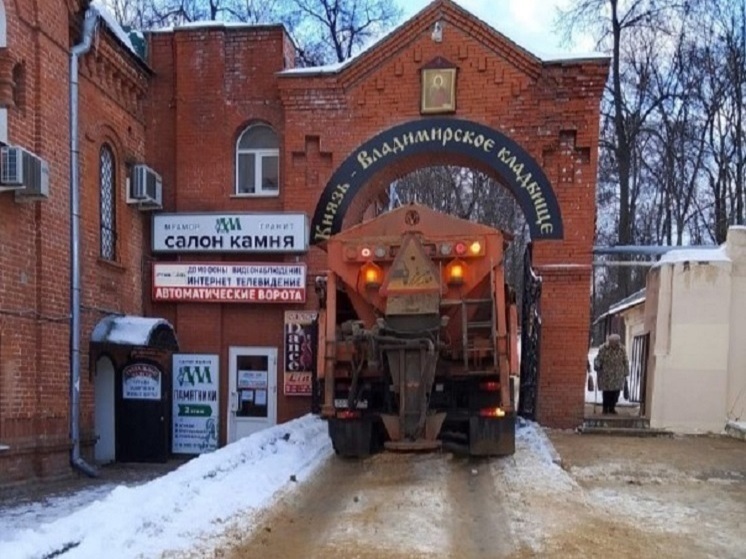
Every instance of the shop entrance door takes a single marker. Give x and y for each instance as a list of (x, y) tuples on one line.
[(143, 407), (252, 374), (104, 451)]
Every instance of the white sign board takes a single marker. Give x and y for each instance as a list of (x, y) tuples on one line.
[(252, 380), (229, 282), (219, 232), (141, 381), (195, 403)]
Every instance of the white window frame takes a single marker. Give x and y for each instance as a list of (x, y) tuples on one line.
[(259, 155)]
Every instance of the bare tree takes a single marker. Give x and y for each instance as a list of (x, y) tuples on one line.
[(636, 33), (346, 25), (324, 31)]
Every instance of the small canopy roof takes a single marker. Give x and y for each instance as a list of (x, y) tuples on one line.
[(135, 331), (637, 298)]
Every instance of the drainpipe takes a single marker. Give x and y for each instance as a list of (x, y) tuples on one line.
[(89, 29)]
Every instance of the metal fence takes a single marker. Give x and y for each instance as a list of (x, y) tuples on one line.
[(638, 366)]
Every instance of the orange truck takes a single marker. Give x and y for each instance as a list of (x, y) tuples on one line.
[(417, 336)]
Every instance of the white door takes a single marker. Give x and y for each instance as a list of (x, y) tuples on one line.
[(104, 451), (252, 405)]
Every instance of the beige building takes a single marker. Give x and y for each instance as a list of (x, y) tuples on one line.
[(695, 311)]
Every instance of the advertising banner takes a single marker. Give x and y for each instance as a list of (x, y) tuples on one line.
[(195, 403), (229, 282), (141, 381), (235, 232), (299, 352)]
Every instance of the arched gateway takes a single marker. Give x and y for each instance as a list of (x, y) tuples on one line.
[(473, 141), (468, 97)]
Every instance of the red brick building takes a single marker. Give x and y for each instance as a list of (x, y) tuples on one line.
[(35, 265), (255, 159)]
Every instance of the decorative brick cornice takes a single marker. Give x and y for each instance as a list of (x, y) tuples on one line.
[(117, 77)]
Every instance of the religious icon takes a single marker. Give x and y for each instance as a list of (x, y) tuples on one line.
[(438, 90)]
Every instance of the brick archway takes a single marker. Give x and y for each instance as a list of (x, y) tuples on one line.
[(486, 147)]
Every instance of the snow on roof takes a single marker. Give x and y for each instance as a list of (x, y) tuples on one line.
[(210, 23), (127, 330), (628, 302), (695, 254), (337, 66), (113, 25)]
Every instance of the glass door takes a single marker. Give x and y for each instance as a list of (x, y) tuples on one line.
[(253, 390)]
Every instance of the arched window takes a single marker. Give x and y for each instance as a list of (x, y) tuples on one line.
[(257, 162), (108, 209)]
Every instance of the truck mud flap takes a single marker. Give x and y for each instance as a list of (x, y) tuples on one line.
[(490, 436), (351, 437)]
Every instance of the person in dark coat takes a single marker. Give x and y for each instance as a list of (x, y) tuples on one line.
[(612, 369)]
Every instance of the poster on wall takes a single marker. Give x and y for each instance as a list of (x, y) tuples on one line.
[(195, 403), (299, 352), (141, 381)]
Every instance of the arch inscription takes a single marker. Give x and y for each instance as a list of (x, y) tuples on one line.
[(517, 170)]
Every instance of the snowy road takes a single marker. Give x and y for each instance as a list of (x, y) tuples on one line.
[(282, 494), (391, 505)]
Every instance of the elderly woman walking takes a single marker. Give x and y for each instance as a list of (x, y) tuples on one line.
[(612, 368)]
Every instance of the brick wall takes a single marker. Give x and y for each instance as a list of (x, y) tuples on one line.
[(211, 82), (550, 109), (34, 252)]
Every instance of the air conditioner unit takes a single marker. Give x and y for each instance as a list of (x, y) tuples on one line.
[(145, 188), (24, 172)]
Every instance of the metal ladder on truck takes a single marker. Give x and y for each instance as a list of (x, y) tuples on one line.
[(471, 350)]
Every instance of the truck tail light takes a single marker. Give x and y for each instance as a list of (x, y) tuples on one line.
[(490, 386), (475, 248), (492, 412), (455, 272), (372, 275), (348, 414)]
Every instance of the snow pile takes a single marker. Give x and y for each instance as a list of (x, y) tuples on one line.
[(535, 464), (19, 516), (187, 506)]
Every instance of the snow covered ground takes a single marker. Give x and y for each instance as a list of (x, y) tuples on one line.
[(192, 506), (598, 504), (177, 511)]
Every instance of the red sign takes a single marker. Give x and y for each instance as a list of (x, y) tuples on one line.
[(229, 294), (229, 282)]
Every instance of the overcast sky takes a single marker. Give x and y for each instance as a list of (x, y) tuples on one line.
[(530, 23)]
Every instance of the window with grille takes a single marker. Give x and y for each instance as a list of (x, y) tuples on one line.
[(107, 176), (257, 162)]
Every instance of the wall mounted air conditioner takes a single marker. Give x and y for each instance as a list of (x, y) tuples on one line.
[(23, 172), (145, 188)]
